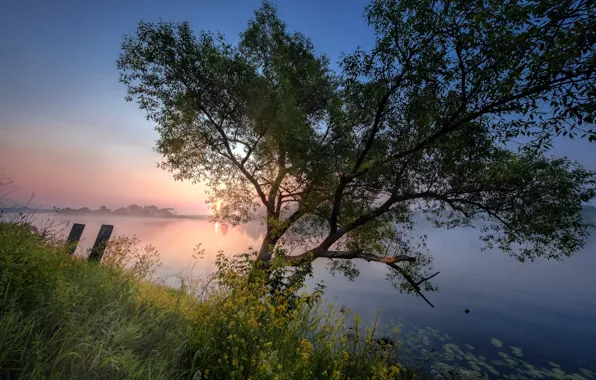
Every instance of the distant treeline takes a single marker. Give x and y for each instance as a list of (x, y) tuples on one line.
[(132, 210)]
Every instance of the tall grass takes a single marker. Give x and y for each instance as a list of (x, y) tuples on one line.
[(62, 317)]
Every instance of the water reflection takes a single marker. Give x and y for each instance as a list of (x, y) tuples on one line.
[(220, 228), (175, 239)]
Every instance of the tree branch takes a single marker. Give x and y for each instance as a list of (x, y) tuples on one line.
[(386, 207), (240, 165), (462, 70), (391, 261), (279, 204), (452, 201), (359, 254), (414, 284), (286, 224), (252, 148), (349, 255), (363, 219), (427, 278), (281, 173)]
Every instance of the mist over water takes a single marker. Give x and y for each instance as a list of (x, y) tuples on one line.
[(547, 308)]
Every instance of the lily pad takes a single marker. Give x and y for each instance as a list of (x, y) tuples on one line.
[(517, 352), (496, 342)]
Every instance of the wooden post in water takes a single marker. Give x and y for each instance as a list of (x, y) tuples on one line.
[(100, 243), (74, 236)]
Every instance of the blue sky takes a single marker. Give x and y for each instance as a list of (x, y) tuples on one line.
[(66, 132)]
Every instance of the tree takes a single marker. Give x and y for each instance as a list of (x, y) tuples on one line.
[(451, 114), (134, 208), (121, 211), (169, 212), (104, 209)]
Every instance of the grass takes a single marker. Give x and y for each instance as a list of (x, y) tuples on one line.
[(62, 317)]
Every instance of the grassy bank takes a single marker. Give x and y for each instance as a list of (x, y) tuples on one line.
[(66, 318)]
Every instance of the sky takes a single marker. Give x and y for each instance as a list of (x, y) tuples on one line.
[(66, 132)]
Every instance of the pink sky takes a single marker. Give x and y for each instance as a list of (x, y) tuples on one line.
[(83, 165)]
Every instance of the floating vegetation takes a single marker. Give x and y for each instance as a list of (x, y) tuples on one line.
[(492, 370), (451, 348), (474, 366), (447, 372), (517, 351), (433, 350), (496, 342)]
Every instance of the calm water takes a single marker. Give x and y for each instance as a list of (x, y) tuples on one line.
[(546, 308)]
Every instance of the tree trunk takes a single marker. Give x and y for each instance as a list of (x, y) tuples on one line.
[(269, 241), (265, 251)]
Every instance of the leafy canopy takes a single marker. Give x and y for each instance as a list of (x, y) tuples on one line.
[(450, 114)]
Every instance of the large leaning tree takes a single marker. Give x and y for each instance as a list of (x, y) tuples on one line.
[(449, 115)]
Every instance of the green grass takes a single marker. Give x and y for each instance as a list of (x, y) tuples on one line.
[(65, 318)]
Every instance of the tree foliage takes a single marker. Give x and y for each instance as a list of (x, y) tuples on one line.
[(450, 114)]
